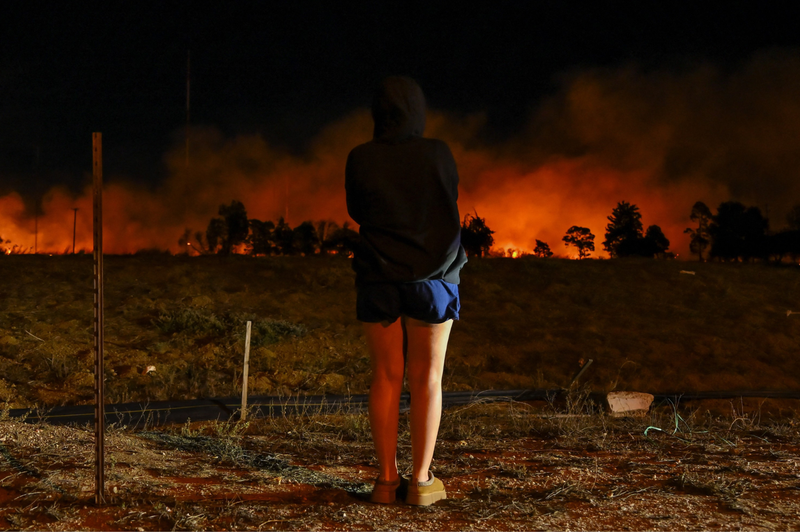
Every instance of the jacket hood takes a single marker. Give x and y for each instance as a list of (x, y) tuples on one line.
[(398, 109)]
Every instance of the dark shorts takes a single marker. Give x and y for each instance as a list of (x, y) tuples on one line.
[(428, 301)]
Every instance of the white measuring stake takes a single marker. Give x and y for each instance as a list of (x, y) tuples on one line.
[(246, 370)]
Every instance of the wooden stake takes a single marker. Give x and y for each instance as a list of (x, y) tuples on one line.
[(99, 384), (245, 371)]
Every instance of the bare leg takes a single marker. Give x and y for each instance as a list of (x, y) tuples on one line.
[(427, 344), (385, 342)]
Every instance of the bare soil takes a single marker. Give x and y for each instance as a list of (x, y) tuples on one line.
[(506, 467), (525, 324)]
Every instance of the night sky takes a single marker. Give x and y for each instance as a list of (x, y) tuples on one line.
[(284, 70)]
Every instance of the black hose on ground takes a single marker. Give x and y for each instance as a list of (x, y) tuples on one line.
[(143, 414)]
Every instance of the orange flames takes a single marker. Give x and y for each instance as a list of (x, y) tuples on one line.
[(520, 202), (658, 140)]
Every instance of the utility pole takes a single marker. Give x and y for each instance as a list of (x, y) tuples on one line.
[(74, 226), (188, 99), (36, 205)]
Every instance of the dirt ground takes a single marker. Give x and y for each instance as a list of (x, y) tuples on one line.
[(506, 467), (526, 324)]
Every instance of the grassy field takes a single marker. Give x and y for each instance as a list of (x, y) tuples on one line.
[(525, 323)]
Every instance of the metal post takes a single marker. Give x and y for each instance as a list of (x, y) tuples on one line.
[(99, 385)]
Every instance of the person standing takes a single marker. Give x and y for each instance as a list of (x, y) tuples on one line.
[(402, 190)]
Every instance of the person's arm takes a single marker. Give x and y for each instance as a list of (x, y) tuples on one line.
[(450, 170)]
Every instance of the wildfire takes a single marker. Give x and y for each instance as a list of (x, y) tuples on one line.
[(608, 136), (520, 203)]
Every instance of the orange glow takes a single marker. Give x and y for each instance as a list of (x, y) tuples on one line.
[(607, 136), (520, 200), (661, 140)]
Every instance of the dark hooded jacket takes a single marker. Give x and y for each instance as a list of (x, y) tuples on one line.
[(402, 189)]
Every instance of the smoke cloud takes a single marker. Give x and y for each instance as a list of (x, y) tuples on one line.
[(660, 139)]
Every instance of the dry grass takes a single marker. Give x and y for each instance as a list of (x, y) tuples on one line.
[(526, 323), (507, 466)]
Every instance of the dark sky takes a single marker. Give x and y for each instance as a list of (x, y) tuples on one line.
[(285, 69)]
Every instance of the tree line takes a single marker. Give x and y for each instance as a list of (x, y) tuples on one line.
[(740, 233), (734, 233), (234, 233)]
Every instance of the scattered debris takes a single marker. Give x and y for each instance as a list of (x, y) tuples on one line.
[(584, 366), (148, 369), (34, 336)]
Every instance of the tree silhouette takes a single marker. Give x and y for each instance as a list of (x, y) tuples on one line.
[(542, 249), (581, 238), (476, 237), (223, 234), (700, 237), (793, 218), (236, 224), (266, 238), (325, 227), (655, 243), (215, 234), (786, 242), (262, 238), (624, 231), (200, 245), (738, 232), (284, 238), (342, 240), (305, 239)]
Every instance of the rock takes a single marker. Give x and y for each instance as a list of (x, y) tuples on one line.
[(123, 371), (200, 302), (79, 379), (629, 404), (7, 391), (8, 340), (333, 382)]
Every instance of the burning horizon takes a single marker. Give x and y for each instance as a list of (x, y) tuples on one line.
[(661, 140)]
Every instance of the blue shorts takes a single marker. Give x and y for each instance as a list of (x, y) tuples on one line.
[(429, 301)]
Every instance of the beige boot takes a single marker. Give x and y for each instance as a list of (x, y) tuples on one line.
[(426, 493)]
